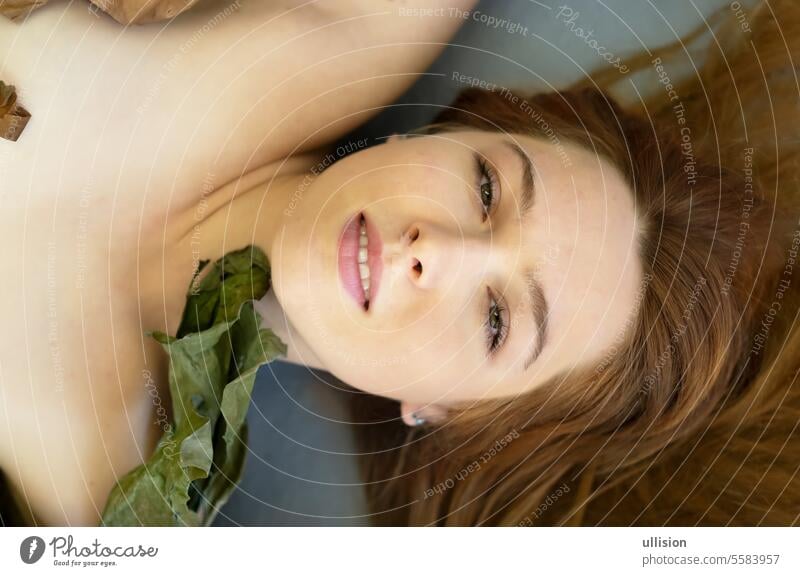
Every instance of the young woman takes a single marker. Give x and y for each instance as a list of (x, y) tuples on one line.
[(534, 285)]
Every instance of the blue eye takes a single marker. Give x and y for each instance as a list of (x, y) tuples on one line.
[(487, 186), (495, 326)]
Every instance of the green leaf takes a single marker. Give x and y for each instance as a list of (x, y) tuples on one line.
[(238, 276), (196, 449), (212, 369), (237, 289), (142, 496), (226, 475)]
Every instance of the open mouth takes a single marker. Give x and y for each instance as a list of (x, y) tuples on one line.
[(360, 264)]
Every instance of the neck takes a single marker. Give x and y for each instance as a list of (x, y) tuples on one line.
[(248, 211)]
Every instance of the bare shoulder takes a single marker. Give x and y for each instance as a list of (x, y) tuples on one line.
[(64, 452)]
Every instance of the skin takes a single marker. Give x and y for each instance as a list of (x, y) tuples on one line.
[(131, 128), (422, 341), (135, 214)]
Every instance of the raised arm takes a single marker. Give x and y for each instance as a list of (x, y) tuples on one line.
[(268, 82), (222, 88)]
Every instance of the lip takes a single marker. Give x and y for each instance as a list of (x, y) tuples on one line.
[(348, 260)]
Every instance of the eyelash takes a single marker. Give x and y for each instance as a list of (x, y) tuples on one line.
[(495, 336), (486, 171)]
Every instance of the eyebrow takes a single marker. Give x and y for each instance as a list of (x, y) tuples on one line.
[(527, 189), (538, 304), (536, 299)]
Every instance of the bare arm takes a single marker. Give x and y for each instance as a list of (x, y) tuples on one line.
[(270, 86), (221, 89)]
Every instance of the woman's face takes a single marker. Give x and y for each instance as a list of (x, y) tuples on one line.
[(484, 283)]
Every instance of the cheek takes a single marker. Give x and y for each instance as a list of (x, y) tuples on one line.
[(415, 187), (413, 363)]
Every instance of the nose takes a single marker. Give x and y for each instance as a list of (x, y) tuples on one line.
[(435, 256)]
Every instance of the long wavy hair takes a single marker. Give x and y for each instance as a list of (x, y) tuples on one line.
[(691, 417)]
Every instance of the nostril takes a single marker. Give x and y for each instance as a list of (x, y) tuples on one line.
[(417, 267), (413, 234)]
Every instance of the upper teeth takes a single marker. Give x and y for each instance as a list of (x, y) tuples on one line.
[(363, 267)]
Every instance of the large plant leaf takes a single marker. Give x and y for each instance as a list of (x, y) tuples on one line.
[(213, 364)]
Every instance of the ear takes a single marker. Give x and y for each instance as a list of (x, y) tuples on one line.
[(432, 413)]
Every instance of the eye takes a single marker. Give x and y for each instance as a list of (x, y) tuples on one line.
[(496, 327), (488, 191)]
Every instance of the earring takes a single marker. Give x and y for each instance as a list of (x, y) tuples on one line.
[(417, 420)]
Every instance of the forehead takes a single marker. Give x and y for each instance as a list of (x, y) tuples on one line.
[(581, 239)]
